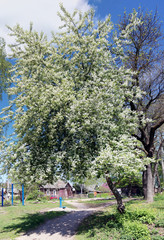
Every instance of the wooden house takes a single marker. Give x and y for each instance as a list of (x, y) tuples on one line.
[(58, 189)]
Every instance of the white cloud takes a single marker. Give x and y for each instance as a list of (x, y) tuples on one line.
[(43, 14)]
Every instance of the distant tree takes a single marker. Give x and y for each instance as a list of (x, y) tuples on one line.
[(158, 171), (129, 182), (144, 56)]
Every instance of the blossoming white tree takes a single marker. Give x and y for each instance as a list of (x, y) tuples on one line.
[(70, 107)]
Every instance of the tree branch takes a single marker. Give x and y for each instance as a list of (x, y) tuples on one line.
[(152, 131)]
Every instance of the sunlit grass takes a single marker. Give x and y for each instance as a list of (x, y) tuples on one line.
[(17, 219), (142, 221)]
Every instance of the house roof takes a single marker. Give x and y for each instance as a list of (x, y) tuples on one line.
[(57, 185)]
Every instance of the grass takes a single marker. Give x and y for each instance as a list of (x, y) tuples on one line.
[(96, 202), (141, 221), (18, 219)]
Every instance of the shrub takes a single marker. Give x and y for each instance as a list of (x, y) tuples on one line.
[(157, 237), (104, 195), (7, 202), (16, 197), (159, 197), (36, 195), (33, 195), (90, 195), (141, 215), (159, 222), (135, 231)]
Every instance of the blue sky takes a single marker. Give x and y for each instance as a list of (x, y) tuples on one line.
[(117, 7), (23, 12), (43, 14)]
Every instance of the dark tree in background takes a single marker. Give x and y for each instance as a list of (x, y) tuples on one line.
[(159, 155), (145, 58)]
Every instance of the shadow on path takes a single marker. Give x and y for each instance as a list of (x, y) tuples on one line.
[(58, 228)]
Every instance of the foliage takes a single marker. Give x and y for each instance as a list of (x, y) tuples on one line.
[(36, 195), (130, 180), (158, 237), (90, 195), (5, 66), (145, 58), (70, 113), (159, 196), (142, 215), (159, 223), (103, 195), (137, 223), (135, 230)]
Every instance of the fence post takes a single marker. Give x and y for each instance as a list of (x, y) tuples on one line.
[(22, 194), (60, 198), (12, 198)]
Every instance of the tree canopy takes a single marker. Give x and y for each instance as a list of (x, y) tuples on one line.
[(70, 109), (145, 57), (4, 68)]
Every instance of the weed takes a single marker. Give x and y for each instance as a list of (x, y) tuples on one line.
[(157, 237), (159, 222), (135, 231)]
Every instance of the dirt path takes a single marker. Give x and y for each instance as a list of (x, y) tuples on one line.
[(64, 227), (61, 228)]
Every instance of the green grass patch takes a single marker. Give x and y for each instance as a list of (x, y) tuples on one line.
[(103, 195), (141, 221), (96, 201), (18, 219)]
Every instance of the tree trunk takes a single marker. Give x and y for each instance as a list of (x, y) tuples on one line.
[(159, 183), (149, 184), (130, 190), (162, 164), (144, 184), (120, 205), (20, 195), (81, 189)]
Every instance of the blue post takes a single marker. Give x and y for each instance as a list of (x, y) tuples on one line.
[(22, 194), (12, 198), (2, 197), (60, 202)]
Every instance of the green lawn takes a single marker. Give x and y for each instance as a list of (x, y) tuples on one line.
[(18, 219), (96, 202), (141, 221)]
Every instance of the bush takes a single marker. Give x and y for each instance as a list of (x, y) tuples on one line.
[(141, 215), (33, 195), (158, 237), (159, 197), (131, 223), (17, 197), (103, 195), (36, 195), (135, 231), (90, 195), (159, 222)]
